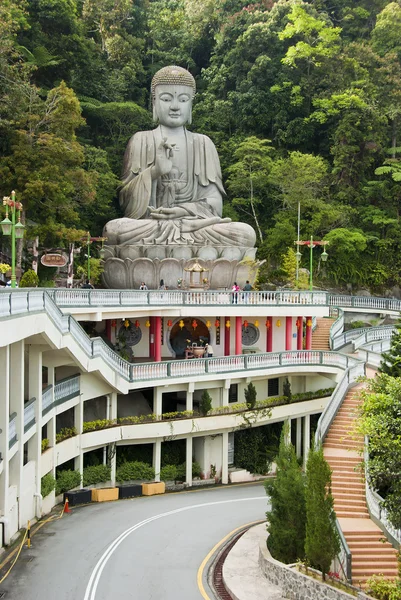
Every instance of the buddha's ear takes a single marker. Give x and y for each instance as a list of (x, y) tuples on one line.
[(190, 117), (155, 117)]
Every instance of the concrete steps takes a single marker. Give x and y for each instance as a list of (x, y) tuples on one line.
[(371, 552), (321, 335)]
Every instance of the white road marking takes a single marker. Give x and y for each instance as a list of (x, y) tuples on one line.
[(91, 588)]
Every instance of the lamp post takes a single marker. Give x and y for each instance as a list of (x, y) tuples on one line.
[(13, 228), (311, 243), (88, 239)]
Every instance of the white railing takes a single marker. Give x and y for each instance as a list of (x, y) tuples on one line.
[(373, 334), (66, 389), (343, 560), (29, 414), (350, 376), (375, 502), (47, 399), (12, 430)]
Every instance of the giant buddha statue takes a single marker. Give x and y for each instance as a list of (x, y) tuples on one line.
[(172, 199)]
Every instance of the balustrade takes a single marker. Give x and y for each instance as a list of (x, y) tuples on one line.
[(12, 430), (66, 389), (29, 414)]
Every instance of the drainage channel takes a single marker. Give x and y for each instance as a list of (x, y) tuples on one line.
[(216, 569)]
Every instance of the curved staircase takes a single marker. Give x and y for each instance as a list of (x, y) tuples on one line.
[(371, 552)]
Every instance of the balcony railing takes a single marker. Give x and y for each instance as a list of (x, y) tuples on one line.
[(67, 388), (12, 430), (29, 414)]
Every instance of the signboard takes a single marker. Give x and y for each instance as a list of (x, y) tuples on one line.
[(53, 260)]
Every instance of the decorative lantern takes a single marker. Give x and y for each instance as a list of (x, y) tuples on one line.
[(256, 323), (278, 323), (169, 323), (208, 324), (147, 324), (127, 323), (194, 324), (268, 325), (246, 324), (181, 324), (309, 323), (298, 323), (217, 323), (228, 324), (113, 323), (137, 323)]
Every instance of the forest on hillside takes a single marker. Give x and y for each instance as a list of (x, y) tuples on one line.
[(301, 98)]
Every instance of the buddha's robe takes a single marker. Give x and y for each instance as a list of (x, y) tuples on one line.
[(190, 190)]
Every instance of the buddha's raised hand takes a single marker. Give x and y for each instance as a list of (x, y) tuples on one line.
[(163, 164)]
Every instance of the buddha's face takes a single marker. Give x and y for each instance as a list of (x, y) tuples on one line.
[(173, 104)]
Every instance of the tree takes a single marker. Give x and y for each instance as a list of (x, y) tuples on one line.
[(391, 360), (250, 395), (205, 404), (287, 517), (248, 178), (322, 542), (380, 421), (29, 279), (287, 389)]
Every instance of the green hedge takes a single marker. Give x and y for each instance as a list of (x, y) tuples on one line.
[(135, 470), (96, 474), (65, 433), (47, 484), (66, 480), (168, 473)]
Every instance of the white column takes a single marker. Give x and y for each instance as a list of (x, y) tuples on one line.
[(17, 373), (113, 463), (188, 473), (78, 421), (112, 402), (224, 395), (224, 458), (288, 430), (189, 401), (306, 437), (35, 391), (298, 441), (157, 401), (157, 455), (4, 420)]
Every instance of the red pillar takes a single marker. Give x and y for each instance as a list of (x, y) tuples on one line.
[(226, 337), (269, 334), (288, 333), (158, 339), (299, 332), (308, 336), (238, 335), (152, 337)]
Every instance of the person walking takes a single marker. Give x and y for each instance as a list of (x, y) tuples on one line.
[(143, 286), (247, 288), (87, 285), (235, 289), (162, 286), (209, 351)]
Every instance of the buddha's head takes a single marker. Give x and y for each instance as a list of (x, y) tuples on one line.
[(173, 90)]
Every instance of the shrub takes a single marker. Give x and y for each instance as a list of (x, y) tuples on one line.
[(168, 473), (96, 425), (96, 474), (47, 284), (383, 589), (65, 433), (250, 395), (47, 484), (66, 480), (287, 390), (196, 469), (29, 279), (181, 471), (45, 445), (205, 404), (135, 470)]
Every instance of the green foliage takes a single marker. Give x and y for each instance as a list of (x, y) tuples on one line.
[(96, 474), (173, 453), (45, 444), (47, 484), (4, 267), (322, 543), (287, 516), (382, 588), (29, 279), (391, 360), (250, 395), (96, 267), (168, 473), (380, 421), (131, 471), (67, 480), (205, 404), (65, 433), (254, 449)]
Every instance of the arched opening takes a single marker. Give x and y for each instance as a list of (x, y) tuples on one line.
[(191, 331)]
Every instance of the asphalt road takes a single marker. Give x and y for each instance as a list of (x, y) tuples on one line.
[(142, 549)]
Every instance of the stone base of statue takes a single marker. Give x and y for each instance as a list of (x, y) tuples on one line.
[(126, 267)]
